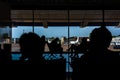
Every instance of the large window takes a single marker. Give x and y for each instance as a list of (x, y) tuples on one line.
[(5, 36), (69, 26), (16, 33), (53, 32)]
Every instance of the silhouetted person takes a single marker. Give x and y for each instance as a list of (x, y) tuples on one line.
[(43, 43), (55, 47), (72, 48), (98, 61), (23, 46), (1, 54), (30, 46), (5, 54), (84, 45), (51, 47), (76, 49), (79, 48)]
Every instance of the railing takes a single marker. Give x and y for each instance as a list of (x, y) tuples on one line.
[(48, 56)]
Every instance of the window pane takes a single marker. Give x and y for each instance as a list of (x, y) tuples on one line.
[(5, 35), (16, 33), (51, 33), (115, 43)]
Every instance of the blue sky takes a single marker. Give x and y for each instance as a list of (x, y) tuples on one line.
[(60, 31)]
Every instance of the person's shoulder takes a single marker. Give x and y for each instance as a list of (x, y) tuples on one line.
[(114, 57), (114, 53), (111, 51)]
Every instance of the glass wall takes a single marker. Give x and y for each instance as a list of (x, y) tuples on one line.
[(69, 26), (5, 36), (53, 32), (16, 34)]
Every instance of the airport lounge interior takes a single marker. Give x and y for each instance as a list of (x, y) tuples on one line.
[(60, 39)]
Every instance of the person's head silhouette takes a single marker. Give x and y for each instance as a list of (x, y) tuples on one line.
[(100, 38), (30, 46)]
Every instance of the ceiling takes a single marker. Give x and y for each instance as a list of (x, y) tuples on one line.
[(60, 12), (58, 16), (63, 4)]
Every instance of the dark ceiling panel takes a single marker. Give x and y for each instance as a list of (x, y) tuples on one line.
[(64, 4)]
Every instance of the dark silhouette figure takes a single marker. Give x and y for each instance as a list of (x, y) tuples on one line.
[(73, 50), (30, 46), (58, 47), (23, 46), (79, 48), (51, 47), (98, 61), (84, 45), (55, 47), (5, 54), (43, 43), (98, 52)]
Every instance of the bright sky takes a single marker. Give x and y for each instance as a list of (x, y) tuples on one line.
[(60, 31)]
